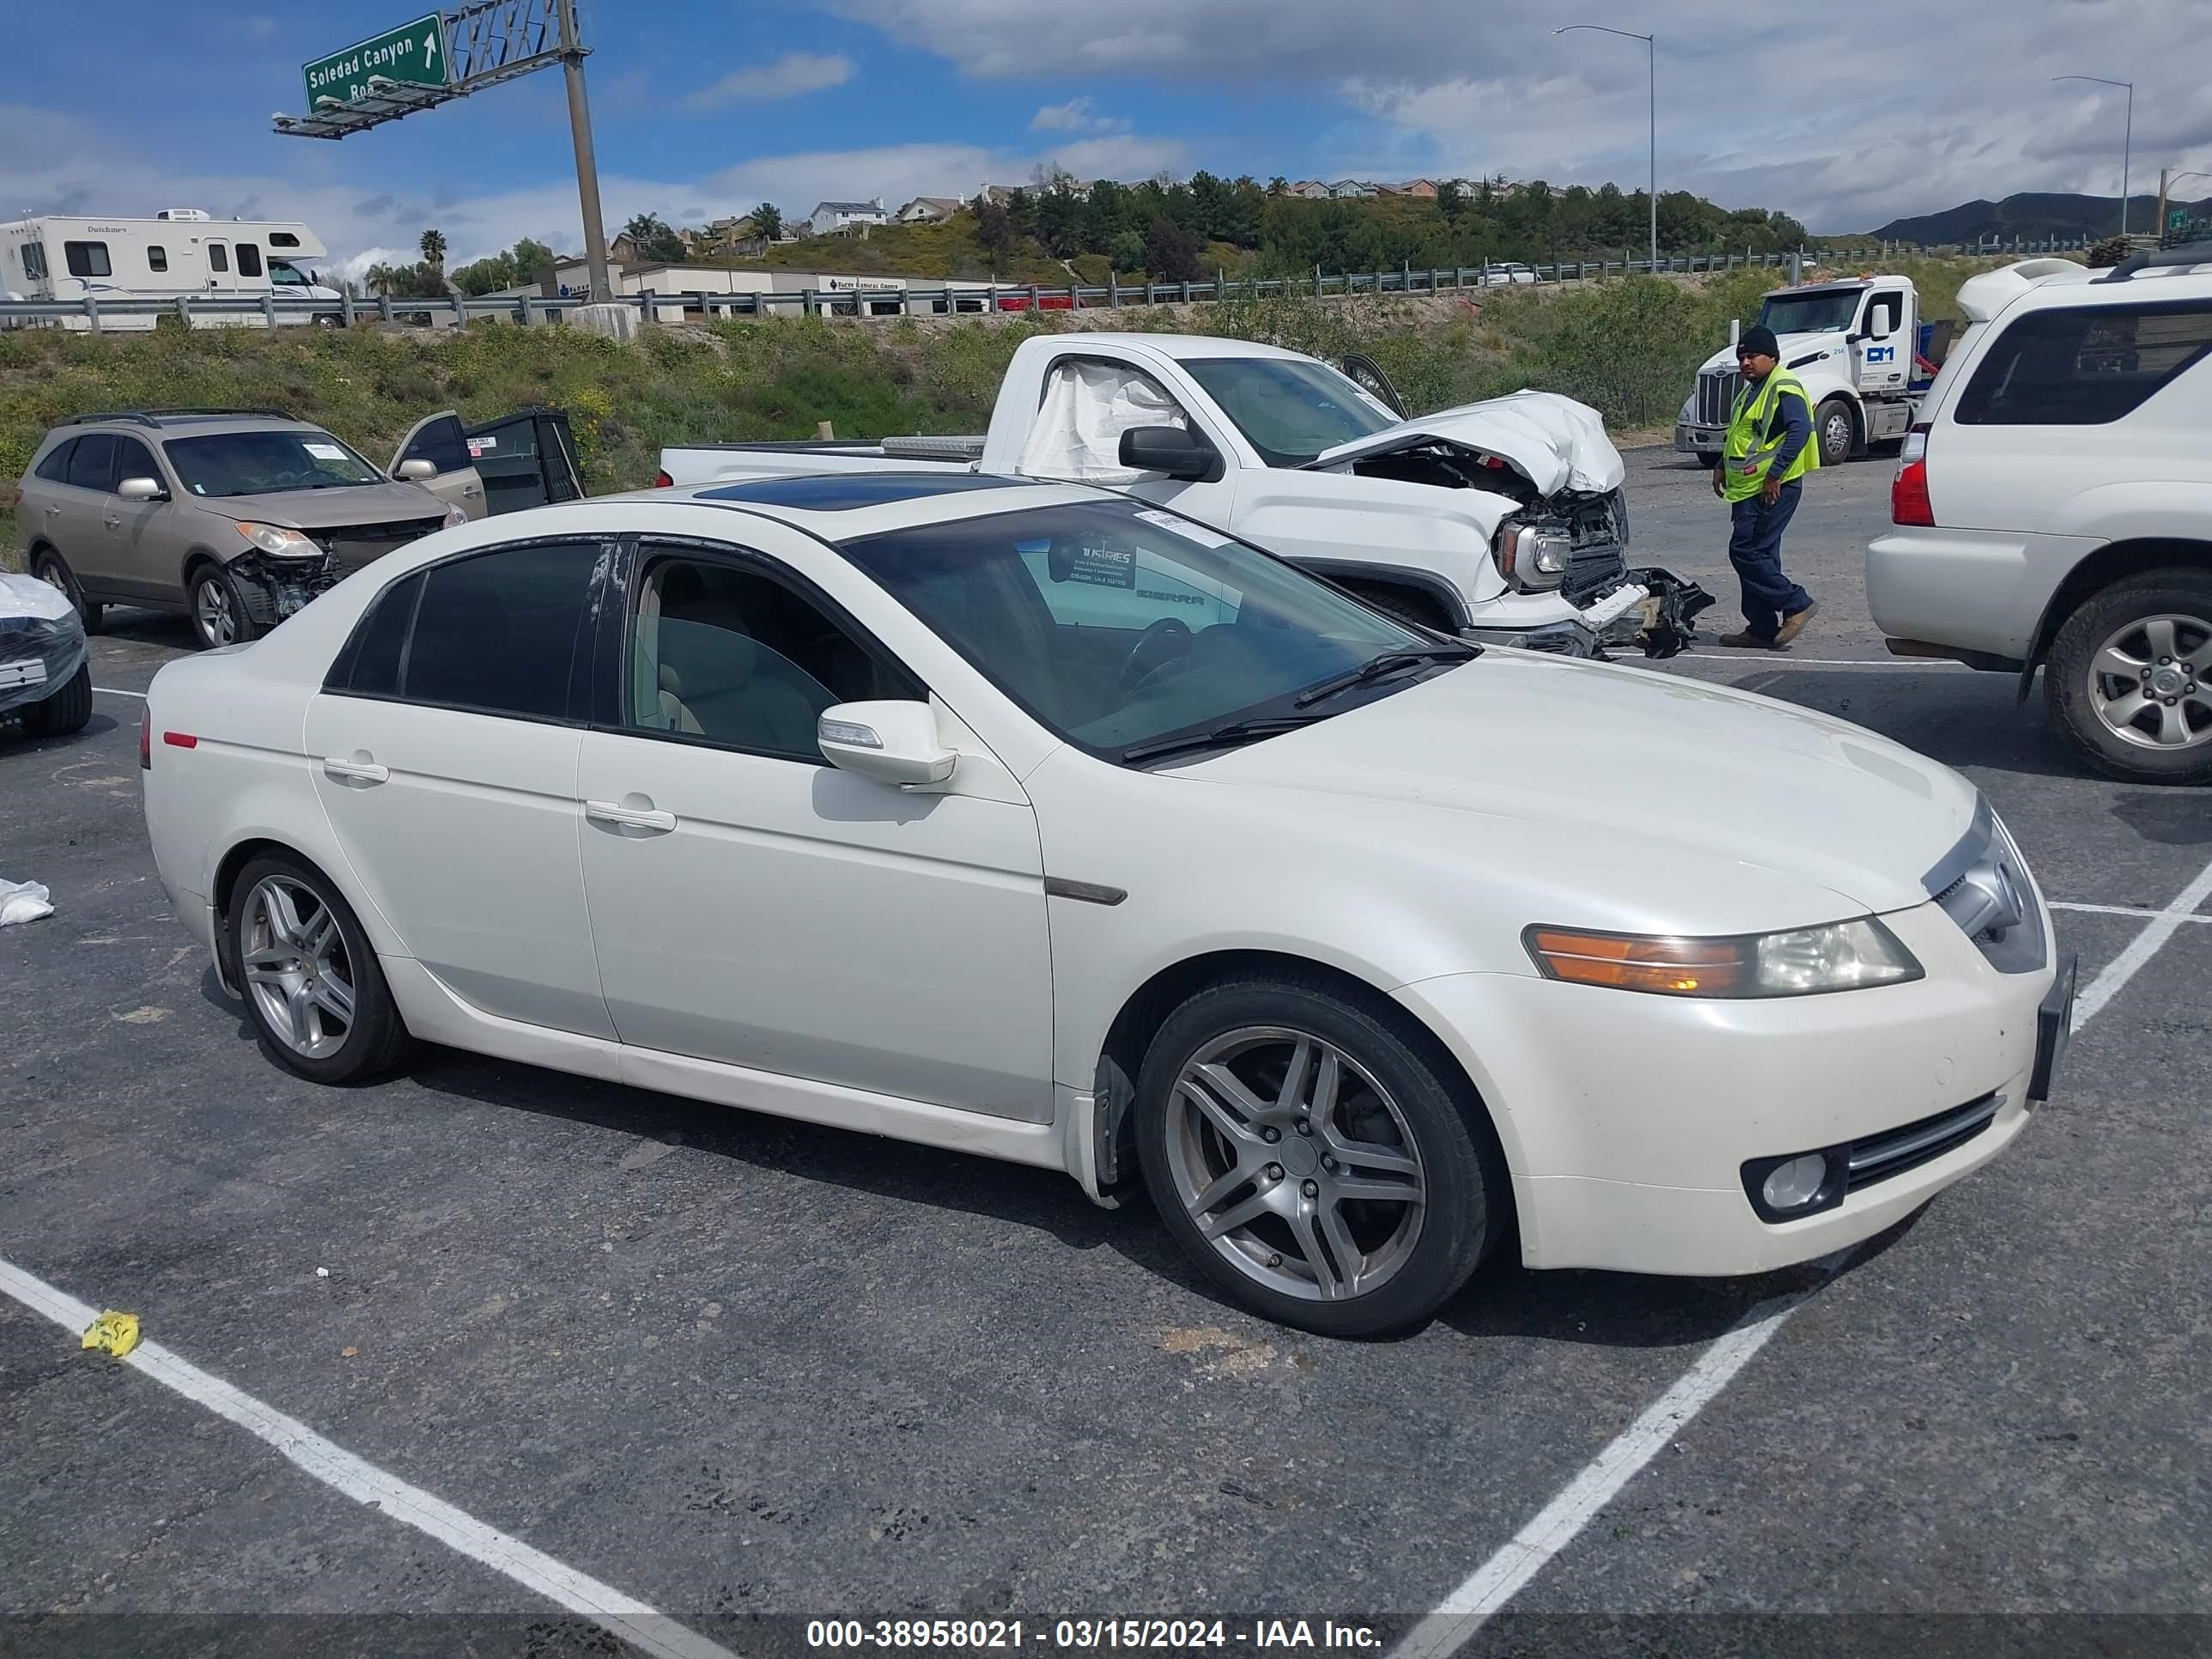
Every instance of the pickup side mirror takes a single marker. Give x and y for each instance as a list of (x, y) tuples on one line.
[(893, 742), (142, 489), (1172, 450), (416, 470)]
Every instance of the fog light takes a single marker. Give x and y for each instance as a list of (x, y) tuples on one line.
[(1793, 1185)]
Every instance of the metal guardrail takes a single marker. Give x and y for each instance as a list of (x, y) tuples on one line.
[(98, 315)]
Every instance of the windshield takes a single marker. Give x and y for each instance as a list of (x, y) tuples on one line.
[(266, 463), (1117, 624), (1289, 410), (1829, 312)]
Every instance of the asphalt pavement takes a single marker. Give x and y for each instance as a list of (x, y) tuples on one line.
[(741, 1371)]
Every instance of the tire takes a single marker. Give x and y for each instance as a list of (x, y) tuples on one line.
[(317, 996), (1709, 458), (217, 609), (1392, 1104), (2104, 668), (50, 567), (64, 712), (1837, 430)]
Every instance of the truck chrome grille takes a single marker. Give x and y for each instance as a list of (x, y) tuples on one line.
[(1716, 390)]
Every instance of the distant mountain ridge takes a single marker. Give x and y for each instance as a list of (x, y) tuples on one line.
[(2031, 213)]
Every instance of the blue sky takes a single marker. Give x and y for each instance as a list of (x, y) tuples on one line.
[(1845, 117)]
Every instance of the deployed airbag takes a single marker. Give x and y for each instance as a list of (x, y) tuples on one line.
[(1087, 407), (41, 641)]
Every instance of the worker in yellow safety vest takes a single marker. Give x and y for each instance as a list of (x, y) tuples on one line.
[(1768, 449)]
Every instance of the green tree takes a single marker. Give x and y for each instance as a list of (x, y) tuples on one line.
[(1171, 252), (433, 247), (654, 238), (768, 220)]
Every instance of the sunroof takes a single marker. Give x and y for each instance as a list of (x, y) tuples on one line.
[(840, 492)]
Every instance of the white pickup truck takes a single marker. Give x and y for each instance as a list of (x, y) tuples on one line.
[(1501, 521)]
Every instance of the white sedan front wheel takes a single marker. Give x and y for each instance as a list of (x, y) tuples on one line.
[(315, 992)]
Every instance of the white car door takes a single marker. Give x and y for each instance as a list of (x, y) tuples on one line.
[(445, 749), (441, 440), (754, 905)]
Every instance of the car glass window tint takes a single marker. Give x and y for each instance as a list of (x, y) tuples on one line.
[(249, 259), (87, 258), (736, 657), (93, 465), (2084, 365), (218, 257), (373, 656), (442, 443), (497, 632), (55, 468), (157, 256), (133, 460)]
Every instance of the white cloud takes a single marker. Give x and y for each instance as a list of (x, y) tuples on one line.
[(789, 77), (1071, 116)]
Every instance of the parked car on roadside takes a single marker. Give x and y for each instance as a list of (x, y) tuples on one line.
[(1505, 276), (1043, 823), (2053, 506), (239, 517)]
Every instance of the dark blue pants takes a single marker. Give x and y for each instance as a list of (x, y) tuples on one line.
[(1755, 550)]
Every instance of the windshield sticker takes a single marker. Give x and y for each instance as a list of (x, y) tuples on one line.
[(1204, 536), (325, 452), (481, 446), (1101, 567)]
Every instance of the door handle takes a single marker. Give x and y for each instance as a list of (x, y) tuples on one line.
[(114, 523), (355, 771), (54, 512), (629, 817), (471, 489)]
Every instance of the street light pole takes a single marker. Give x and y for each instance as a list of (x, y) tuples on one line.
[(2127, 142), (1651, 71), (587, 166)]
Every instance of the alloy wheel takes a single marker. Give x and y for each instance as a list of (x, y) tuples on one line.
[(297, 969), (2150, 682), (212, 611), (1294, 1163)]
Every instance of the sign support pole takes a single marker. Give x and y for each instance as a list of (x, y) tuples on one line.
[(587, 167)]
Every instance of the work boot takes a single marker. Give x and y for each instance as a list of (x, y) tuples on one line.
[(1749, 643), (1793, 623)]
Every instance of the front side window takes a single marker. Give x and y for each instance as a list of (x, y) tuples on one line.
[(729, 654), (494, 634), (1117, 625), (2084, 365), (266, 463), (218, 257), (133, 460), (157, 256), (87, 258), (1290, 411), (441, 442), (1885, 315), (1828, 312), (249, 259), (284, 274)]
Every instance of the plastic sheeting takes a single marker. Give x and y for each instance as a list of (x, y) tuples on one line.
[(41, 641), (1556, 442), (1087, 407)]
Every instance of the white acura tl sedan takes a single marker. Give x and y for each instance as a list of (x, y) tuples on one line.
[(1036, 822)]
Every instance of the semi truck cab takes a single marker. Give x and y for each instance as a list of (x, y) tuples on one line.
[(1859, 346)]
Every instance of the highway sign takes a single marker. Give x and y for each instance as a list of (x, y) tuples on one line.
[(414, 53)]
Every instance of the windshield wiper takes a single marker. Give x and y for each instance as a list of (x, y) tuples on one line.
[(1221, 737), (1390, 662)]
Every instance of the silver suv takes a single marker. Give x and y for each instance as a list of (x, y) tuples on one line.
[(237, 518)]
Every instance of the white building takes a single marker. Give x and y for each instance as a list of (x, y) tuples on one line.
[(830, 217), (929, 210)]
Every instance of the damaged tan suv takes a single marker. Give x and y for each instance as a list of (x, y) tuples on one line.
[(236, 517)]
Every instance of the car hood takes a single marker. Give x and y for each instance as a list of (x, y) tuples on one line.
[(1557, 442), (1673, 773), (328, 509)]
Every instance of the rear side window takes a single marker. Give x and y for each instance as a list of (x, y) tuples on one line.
[(218, 257), (157, 256), (55, 468), (93, 465), (496, 633), (249, 259), (87, 258), (2086, 366)]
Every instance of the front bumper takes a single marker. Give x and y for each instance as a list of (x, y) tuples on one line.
[(1627, 1153), (1692, 439), (273, 589), (1652, 608)]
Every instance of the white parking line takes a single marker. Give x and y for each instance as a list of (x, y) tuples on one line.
[(2136, 911), (620, 1616), (1495, 1582), (117, 692), (1776, 659)]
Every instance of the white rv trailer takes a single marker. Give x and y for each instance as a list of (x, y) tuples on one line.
[(179, 251)]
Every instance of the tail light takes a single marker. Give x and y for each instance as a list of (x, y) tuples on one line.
[(145, 736), (1908, 493), (662, 481)]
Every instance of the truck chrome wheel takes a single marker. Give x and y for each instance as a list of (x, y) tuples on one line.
[(1294, 1163), (2150, 681), (292, 954)]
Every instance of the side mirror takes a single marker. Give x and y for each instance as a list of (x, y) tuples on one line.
[(142, 489), (892, 742), (1172, 450), (415, 472)]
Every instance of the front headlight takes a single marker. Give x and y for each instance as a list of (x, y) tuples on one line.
[(454, 518), (1530, 558), (1843, 956), (277, 541)]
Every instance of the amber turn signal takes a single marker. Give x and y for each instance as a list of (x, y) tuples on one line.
[(1673, 967)]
